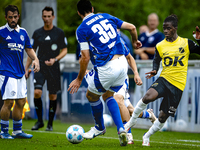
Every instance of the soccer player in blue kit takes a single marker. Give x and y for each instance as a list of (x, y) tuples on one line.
[(13, 41), (100, 43)]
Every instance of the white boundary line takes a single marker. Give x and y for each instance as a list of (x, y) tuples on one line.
[(104, 137)]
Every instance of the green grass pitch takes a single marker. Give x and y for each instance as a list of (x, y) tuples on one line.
[(56, 140)]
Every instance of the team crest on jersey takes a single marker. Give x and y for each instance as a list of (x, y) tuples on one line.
[(151, 39), (22, 37), (54, 47), (154, 85), (181, 50), (13, 93)]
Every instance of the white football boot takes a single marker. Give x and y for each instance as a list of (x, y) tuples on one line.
[(130, 138), (93, 132), (145, 141)]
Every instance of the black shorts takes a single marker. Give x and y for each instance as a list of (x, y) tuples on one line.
[(171, 95), (51, 75)]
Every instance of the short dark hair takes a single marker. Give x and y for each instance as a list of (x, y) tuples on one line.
[(48, 8), (173, 19), (12, 8), (84, 6)]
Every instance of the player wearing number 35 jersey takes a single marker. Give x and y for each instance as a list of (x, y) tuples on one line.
[(100, 43)]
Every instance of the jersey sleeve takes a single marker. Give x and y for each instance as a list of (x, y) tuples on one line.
[(63, 40), (82, 40), (156, 60), (193, 47)]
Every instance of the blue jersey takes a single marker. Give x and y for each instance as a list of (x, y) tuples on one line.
[(98, 33), (151, 39), (12, 45)]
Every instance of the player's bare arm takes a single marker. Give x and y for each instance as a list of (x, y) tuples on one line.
[(132, 64), (132, 29), (35, 65), (75, 84), (57, 58)]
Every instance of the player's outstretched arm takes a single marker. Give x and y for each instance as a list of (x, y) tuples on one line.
[(84, 60), (132, 30)]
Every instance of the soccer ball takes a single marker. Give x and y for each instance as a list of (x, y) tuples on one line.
[(180, 125), (74, 134), (108, 121)]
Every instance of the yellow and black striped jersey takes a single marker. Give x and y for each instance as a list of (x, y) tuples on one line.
[(174, 56)]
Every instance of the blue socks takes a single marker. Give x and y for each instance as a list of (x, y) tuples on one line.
[(97, 112), (145, 114), (114, 110), (4, 126), (17, 125)]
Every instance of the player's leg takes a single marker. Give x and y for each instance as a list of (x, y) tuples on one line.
[(17, 120), (158, 124), (39, 81), (121, 97), (5, 114), (97, 112), (53, 86), (52, 111), (115, 112), (150, 96), (146, 114), (172, 96)]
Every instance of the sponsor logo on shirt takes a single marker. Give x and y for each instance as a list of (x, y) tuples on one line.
[(15, 47)]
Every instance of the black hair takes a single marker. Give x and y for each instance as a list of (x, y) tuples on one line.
[(48, 8), (173, 19), (84, 6), (12, 8)]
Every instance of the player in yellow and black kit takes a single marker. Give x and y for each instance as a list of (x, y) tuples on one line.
[(174, 52)]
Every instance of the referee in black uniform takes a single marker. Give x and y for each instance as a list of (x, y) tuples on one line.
[(52, 46)]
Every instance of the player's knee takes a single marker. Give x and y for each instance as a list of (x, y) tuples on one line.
[(37, 93), (162, 117), (148, 97), (8, 104)]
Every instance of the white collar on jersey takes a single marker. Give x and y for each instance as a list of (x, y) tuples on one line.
[(88, 16), (152, 33), (11, 29)]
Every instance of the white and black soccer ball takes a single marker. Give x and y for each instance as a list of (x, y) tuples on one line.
[(108, 121), (74, 134), (181, 125)]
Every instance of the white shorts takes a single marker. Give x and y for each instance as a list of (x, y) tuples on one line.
[(12, 88), (124, 92), (110, 77)]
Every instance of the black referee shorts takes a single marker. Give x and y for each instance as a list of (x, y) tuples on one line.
[(51, 75), (171, 95)]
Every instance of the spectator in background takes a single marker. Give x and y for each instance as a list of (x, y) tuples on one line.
[(143, 28), (149, 39), (52, 45)]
